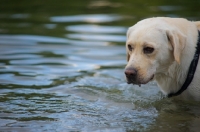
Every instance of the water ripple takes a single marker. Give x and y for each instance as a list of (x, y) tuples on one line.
[(89, 37), (96, 29), (29, 39), (96, 18)]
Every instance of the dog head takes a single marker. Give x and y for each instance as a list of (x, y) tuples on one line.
[(152, 46)]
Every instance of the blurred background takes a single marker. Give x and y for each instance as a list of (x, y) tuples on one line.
[(61, 68)]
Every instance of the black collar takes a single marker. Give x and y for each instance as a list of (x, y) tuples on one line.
[(191, 71)]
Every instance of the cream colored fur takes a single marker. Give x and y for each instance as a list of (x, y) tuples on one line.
[(174, 41)]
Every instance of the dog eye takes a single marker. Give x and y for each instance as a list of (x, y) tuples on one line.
[(148, 50), (130, 47)]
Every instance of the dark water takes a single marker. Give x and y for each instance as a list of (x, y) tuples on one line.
[(61, 68)]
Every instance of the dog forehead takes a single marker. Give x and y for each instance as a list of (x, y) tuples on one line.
[(144, 31), (144, 35), (152, 21)]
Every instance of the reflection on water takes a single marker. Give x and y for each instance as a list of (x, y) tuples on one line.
[(61, 69), (29, 39), (97, 29), (114, 38), (97, 18)]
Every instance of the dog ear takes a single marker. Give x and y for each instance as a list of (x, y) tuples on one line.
[(177, 40)]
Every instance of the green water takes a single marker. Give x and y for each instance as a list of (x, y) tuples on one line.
[(62, 62)]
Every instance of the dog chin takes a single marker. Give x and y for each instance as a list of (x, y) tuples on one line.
[(139, 82)]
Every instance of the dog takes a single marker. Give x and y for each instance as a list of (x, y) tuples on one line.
[(162, 49)]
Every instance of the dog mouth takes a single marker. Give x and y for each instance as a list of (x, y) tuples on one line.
[(139, 81)]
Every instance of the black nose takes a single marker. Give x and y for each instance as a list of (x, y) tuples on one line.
[(131, 74)]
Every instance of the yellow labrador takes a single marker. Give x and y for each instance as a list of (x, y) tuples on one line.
[(162, 49)]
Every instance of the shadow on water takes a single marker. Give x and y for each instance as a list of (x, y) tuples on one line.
[(61, 68)]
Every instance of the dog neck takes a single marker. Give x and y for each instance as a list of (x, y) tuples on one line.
[(171, 84), (191, 70)]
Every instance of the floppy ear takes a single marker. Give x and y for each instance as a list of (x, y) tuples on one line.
[(197, 24), (177, 40)]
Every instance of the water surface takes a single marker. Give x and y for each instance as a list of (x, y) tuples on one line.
[(61, 68)]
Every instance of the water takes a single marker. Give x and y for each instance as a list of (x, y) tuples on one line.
[(61, 68)]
